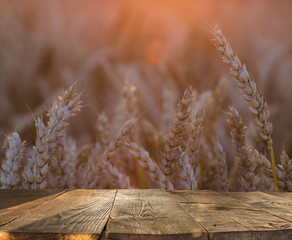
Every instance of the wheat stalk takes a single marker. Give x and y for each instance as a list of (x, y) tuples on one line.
[(237, 131), (248, 157), (175, 143), (106, 168), (117, 178), (49, 137), (111, 151), (103, 128), (195, 128), (221, 173), (154, 174), (9, 175), (285, 169), (248, 88), (183, 177), (154, 138), (68, 164), (249, 179), (263, 163), (87, 159)]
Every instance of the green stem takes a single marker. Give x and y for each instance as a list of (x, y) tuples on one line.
[(273, 164)]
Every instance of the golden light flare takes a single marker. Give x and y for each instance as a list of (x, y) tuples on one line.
[(155, 52), (5, 236), (12, 236)]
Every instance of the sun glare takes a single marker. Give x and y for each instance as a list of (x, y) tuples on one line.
[(155, 52)]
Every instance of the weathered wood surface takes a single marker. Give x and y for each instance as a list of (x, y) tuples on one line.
[(227, 218), (285, 195), (16, 203), (150, 214), (275, 205), (144, 214), (78, 212), (11, 197)]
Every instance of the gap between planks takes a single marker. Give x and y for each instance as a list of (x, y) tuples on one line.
[(102, 235), (77, 213), (272, 203), (225, 217), (150, 214), (130, 207)]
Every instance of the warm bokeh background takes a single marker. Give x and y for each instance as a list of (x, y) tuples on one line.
[(47, 45)]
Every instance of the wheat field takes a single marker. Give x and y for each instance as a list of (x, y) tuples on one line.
[(174, 95)]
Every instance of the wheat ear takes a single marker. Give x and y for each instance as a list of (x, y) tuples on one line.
[(249, 179), (196, 128), (184, 177), (154, 137), (84, 170), (111, 151), (263, 163), (237, 131), (286, 171), (175, 143), (49, 137), (103, 129), (68, 164), (248, 88), (155, 176), (9, 175), (106, 168), (221, 173), (118, 179)]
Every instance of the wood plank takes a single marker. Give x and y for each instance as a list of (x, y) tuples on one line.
[(12, 197), (285, 195), (278, 206), (77, 213), (150, 214), (227, 218), (32, 199)]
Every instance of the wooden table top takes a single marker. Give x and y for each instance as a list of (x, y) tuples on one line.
[(144, 214)]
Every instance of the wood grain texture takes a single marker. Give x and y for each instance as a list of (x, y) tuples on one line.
[(275, 205), (82, 213), (285, 195), (144, 214), (150, 214), (16, 203), (227, 218), (12, 197)]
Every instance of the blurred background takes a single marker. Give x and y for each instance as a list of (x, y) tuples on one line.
[(47, 45)]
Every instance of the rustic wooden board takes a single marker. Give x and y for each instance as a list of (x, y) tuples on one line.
[(77, 213), (278, 206), (227, 218), (285, 195), (150, 214), (19, 202), (144, 214), (12, 197)]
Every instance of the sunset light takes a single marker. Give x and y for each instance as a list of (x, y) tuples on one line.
[(145, 119)]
